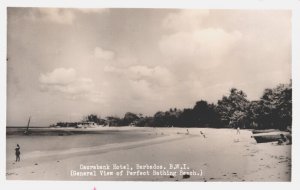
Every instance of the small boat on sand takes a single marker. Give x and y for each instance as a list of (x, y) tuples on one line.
[(256, 131), (271, 136)]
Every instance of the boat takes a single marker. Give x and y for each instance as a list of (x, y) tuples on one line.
[(26, 132), (270, 137), (256, 131)]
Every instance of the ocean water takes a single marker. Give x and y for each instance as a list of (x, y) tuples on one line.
[(53, 142)]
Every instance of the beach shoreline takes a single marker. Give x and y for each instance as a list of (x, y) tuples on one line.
[(216, 154)]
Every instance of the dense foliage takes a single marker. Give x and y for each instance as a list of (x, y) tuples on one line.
[(272, 110)]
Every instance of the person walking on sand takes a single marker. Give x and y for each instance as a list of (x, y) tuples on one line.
[(238, 130), (18, 152)]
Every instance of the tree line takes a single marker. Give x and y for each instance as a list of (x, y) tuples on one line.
[(272, 110)]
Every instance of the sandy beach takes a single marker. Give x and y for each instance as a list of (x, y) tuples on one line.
[(205, 154)]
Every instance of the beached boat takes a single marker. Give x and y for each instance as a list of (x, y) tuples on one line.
[(256, 131), (270, 136)]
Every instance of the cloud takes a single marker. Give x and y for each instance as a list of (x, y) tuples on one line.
[(185, 20), (60, 76), (156, 76), (93, 10), (60, 15), (141, 70), (204, 47), (146, 66), (114, 69), (66, 82), (103, 54), (190, 42)]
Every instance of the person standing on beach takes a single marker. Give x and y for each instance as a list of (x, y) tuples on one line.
[(238, 130), (18, 152)]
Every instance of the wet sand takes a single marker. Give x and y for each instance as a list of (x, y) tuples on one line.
[(218, 154)]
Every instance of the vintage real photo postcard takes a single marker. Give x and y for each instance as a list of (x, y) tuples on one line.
[(148, 94)]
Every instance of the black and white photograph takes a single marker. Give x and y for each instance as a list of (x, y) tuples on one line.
[(149, 94)]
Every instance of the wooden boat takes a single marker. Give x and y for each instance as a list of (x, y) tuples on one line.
[(270, 137), (256, 131)]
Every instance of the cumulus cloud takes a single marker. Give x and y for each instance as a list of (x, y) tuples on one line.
[(111, 69), (60, 76), (157, 75), (195, 45), (93, 10), (103, 54), (206, 47), (154, 76), (60, 15), (67, 82), (141, 70), (185, 20)]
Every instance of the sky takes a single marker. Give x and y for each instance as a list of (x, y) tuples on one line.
[(64, 64)]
